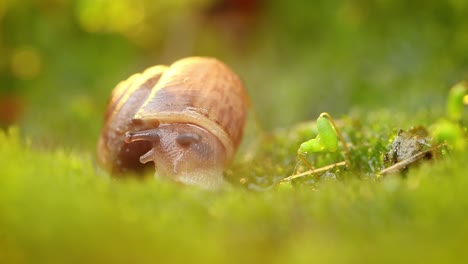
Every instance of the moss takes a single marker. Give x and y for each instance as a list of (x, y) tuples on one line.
[(58, 207)]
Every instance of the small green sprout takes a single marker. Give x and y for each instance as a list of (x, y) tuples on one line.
[(450, 133), (457, 99), (325, 141), (450, 130)]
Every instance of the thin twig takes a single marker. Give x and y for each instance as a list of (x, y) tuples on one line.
[(292, 177), (340, 136), (404, 163), (304, 160)]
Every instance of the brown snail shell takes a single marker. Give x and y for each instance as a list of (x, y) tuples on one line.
[(187, 118)]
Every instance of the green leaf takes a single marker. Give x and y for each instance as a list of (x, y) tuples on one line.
[(313, 145), (455, 101), (327, 134)]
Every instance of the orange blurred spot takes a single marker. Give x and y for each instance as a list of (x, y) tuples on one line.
[(11, 107)]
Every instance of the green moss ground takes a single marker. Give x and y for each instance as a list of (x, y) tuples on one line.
[(57, 207), (296, 60)]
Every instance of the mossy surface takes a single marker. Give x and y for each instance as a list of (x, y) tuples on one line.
[(60, 60), (58, 207)]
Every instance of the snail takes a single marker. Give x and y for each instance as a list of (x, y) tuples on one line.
[(187, 118)]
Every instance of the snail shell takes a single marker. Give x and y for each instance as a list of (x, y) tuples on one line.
[(187, 118)]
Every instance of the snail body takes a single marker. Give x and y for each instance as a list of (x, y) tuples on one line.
[(187, 118)]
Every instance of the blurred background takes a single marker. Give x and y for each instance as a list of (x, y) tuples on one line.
[(60, 59)]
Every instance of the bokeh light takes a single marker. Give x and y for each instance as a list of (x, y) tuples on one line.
[(111, 16), (3, 7), (25, 63)]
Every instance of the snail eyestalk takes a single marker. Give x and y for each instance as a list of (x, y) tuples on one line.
[(149, 135), (147, 157), (187, 139)]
